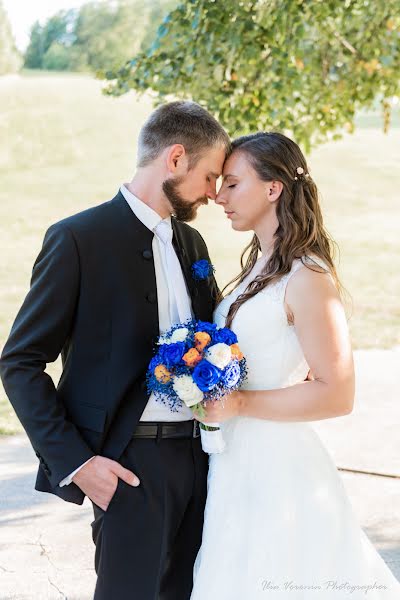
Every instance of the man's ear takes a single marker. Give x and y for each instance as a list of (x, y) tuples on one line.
[(176, 159), (274, 190)]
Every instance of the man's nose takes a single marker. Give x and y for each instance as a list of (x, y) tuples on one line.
[(212, 192)]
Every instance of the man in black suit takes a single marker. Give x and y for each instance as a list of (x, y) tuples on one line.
[(106, 282)]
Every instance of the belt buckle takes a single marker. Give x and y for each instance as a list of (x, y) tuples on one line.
[(196, 428)]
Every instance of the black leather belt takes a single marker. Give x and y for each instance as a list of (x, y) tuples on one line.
[(170, 429)]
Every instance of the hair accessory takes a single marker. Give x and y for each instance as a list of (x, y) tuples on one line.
[(302, 175)]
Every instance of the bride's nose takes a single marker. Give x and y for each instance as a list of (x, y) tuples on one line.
[(219, 199)]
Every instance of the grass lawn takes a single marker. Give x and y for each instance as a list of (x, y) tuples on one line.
[(66, 147)]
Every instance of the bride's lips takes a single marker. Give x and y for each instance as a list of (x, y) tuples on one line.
[(229, 213)]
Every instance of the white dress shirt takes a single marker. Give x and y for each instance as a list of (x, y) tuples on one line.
[(168, 309)]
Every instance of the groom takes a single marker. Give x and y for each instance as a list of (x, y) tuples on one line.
[(106, 282)]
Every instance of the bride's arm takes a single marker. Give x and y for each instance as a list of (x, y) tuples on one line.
[(318, 316)]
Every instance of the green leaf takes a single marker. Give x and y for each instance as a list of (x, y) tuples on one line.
[(302, 66)]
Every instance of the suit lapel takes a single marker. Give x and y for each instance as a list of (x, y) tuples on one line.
[(183, 252), (133, 226), (188, 252)]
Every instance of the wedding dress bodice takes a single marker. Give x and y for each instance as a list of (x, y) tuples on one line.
[(273, 353)]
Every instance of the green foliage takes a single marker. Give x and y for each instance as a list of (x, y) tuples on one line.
[(109, 35), (56, 57), (98, 36), (300, 66), (34, 53), (49, 44), (10, 59), (63, 58)]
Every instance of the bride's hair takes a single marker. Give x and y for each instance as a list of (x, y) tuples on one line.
[(301, 232)]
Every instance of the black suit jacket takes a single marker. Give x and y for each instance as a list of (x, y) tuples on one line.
[(93, 298)]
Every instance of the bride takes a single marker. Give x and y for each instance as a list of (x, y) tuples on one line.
[(278, 523)]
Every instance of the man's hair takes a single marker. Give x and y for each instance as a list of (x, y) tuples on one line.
[(180, 122)]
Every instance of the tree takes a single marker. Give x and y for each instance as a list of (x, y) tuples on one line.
[(63, 58), (103, 35), (10, 59), (300, 66), (98, 36), (34, 53), (57, 31), (110, 33)]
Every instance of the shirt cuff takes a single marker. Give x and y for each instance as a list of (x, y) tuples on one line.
[(67, 480)]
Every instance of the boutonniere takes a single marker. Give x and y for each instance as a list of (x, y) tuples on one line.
[(201, 269)]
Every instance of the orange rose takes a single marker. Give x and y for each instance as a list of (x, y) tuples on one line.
[(236, 352), (191, 358), (162, 374), (201, 339)]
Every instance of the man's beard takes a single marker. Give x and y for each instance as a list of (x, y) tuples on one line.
[(184, 210)]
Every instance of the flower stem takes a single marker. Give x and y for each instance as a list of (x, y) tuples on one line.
[(208, 427)]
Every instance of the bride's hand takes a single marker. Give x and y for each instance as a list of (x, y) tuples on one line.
[(221, 410)]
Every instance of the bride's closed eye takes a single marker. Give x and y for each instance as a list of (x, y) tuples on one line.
[(232, 186)]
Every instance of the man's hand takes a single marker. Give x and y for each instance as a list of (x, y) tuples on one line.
[(98, 479)]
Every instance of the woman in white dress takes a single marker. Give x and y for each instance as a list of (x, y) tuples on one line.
[(278, 523)]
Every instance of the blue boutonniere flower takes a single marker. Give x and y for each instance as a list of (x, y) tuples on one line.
[(201, 269)]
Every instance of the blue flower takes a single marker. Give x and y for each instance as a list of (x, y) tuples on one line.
[(231, 374), (202, 269), (155, 361), (207, 327), (225, 336), (206, 375), (171, 354)]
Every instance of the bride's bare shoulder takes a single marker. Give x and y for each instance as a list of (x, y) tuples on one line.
[(310, 285)]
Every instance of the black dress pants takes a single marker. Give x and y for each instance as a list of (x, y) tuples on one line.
[(147, 539)]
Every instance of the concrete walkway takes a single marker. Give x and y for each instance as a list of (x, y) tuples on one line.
[(46, 551)]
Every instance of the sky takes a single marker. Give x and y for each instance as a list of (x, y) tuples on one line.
[(23, 13)]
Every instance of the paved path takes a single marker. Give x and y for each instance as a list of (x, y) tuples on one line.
[(46, 551), (369, 438)]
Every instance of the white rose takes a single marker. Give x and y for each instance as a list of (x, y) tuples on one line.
[(163, 340), (219, 355), (179, 335), (187, 390)]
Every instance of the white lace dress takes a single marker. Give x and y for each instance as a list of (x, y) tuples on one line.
[(278, 524)]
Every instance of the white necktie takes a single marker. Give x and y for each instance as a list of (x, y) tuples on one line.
[(179, 304)]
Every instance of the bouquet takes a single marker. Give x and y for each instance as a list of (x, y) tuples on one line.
[(194, 362)]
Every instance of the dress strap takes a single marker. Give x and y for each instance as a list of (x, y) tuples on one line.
[(281, 285)]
